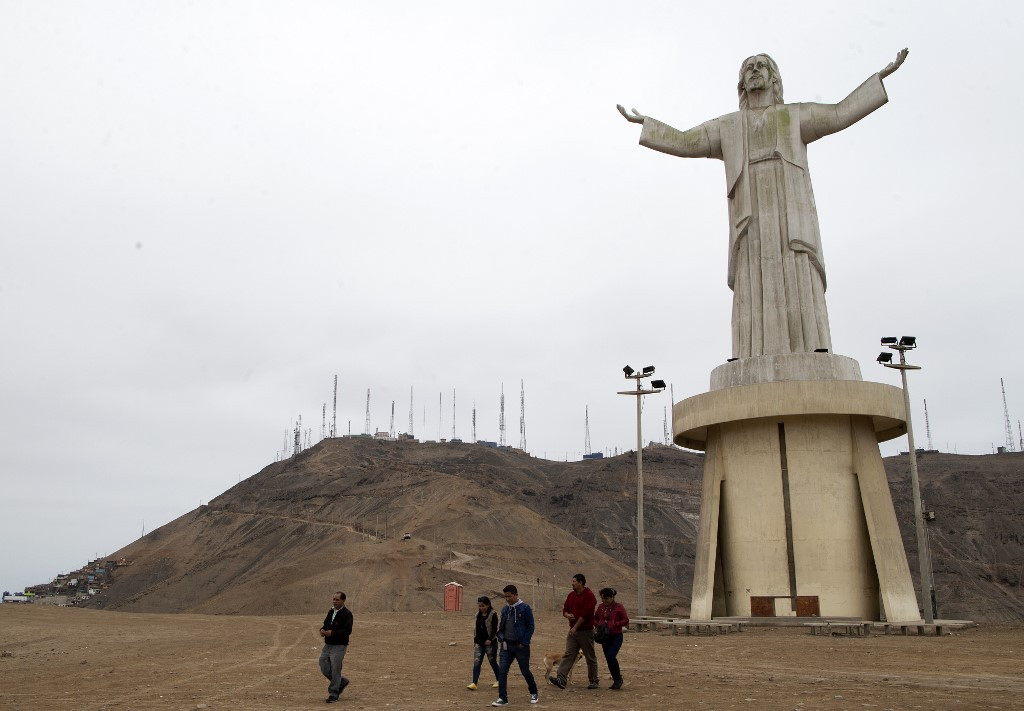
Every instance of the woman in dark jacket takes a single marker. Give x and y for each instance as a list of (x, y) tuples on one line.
[(485, 640), (614, 615)]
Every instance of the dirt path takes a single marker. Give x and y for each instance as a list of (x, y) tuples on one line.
[(89, 659)]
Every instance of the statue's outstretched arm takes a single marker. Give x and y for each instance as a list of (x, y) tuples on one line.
[(893, 66), (635, 117)]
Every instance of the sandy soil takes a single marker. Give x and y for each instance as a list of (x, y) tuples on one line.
[(55, 658)]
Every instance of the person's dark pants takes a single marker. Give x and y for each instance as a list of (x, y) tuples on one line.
[(521, 653), (611, 652), (479, 652), (330, 666), (575, 642)]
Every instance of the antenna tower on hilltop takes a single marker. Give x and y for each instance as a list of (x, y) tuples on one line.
[(366, 429), (664, 424), (323, 425), (522, 417), (474, 422), (1006, 418), (391, 432), (453, 413), (927, 426), (334, 416), (586, 424), (410, 411), (440, 408), (501, 418), (298, 437)]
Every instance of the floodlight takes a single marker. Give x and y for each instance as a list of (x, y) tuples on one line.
[(821, 350), (648, 369), (885, 357), (889, 341), (658, 384), (628, 371), (908, 341)]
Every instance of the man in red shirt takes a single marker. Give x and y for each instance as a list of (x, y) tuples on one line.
[(579, 610)]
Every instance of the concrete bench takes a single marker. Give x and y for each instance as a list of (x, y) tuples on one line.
[(921, 628), (851, 629), (709, 628)]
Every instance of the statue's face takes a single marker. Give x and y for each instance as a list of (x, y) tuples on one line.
[(757, 74)]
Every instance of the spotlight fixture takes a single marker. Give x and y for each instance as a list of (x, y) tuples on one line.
[(885, 357), (908, 341), (648, 369), (889, 341), (660, 384), (628, 371)]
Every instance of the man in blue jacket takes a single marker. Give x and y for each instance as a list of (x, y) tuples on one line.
[(514, 634), (335, 631)]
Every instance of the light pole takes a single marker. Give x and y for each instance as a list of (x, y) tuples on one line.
[(904, 344), (656, 387)]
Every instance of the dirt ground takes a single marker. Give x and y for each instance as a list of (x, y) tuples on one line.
[(63, 658)]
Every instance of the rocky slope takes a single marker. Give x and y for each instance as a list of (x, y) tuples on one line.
[(334, 516)]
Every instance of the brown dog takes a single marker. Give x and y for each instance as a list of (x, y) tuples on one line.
[(553, 659)]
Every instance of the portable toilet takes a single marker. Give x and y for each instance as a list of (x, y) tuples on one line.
[(453, 597)]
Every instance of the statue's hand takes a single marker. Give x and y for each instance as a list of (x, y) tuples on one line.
[(635, 117), (893, 66)]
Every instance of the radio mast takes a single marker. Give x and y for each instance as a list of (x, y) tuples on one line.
[(453, 413), (501, 418), (586, 424), (366, 429), (474, 422), (334, 416), (410, 411), (927, 426), (391, 432), (1006, 418), (522, 417)]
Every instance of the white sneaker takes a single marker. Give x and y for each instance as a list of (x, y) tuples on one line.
[(534, 698), (499, 702)]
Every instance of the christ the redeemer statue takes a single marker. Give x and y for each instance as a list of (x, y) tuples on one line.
[(776, 270)]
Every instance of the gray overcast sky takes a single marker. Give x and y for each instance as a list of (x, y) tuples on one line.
[(208, 209)]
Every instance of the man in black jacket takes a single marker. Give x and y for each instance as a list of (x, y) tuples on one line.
[(336, 630)]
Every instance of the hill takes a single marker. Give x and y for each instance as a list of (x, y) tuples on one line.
[(334, 516)]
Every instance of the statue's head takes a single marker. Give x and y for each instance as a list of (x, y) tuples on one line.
[(759, 72)]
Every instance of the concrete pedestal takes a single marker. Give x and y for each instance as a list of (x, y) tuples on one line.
[(795, 505)]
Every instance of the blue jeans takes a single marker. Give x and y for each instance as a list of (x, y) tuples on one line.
[(611, 652), (330, 666), (521, 653), (479, 652)]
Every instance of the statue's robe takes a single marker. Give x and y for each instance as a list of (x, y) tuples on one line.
[(776, 269)]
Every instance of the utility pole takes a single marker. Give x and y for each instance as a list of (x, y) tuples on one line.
[(657, 386)]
